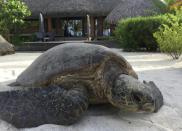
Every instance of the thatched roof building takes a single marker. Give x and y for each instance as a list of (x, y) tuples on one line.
[(133, 8), (70, 8), (59, 13)]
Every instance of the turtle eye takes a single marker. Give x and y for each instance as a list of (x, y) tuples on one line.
[(137, 97)]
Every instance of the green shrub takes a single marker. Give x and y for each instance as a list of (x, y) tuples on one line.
[(169, 37), (18, 40), (137, 33)]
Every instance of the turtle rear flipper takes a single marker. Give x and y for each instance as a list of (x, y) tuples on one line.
[(48, 105)]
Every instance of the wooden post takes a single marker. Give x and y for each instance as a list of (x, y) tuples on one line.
[(84, 26), (112, 27), (100, 26), (96, 28), (58, 26), (92, 22), (49, 24), (88, 28)]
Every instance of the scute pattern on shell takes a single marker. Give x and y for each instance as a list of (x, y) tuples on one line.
[(67, 59)]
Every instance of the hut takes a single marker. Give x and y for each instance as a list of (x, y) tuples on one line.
[(83, 17)]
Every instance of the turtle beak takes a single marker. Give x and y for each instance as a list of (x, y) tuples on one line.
[(158, 102), (148, 107), (148, 97), (131, 94), (155, 98)]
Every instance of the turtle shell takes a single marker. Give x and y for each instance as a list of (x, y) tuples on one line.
[(69, 58)]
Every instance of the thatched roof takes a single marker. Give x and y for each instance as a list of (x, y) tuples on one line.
[(133, 8), (114, 9), (5, 47), (70, 8)]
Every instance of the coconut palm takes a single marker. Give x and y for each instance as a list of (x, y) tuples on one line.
[(172, 4)]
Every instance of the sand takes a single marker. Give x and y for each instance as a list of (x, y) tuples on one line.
[(166, 73)]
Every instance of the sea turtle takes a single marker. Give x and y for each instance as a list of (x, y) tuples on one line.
[(59, 85)]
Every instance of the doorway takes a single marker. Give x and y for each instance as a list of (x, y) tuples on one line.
[(73, 28)]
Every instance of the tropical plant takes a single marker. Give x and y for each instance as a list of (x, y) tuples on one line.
[(12, 14), (170, 39), (169, 2), (173, 4), (177, 4), (169, 36), (168, 5)]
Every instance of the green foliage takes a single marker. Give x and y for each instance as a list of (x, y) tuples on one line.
[(169, 37), (175, 15), (3, 29), (19, 40), (12, 13), (169, 5), (176, 4), (169, 2), (162, 5), (137, 33), (170, 40)]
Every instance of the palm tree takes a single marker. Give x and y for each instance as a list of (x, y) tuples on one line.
[(169, 5), (172, 4), (176, 4)]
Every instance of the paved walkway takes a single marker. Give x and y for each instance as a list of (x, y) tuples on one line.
[(157, 67)]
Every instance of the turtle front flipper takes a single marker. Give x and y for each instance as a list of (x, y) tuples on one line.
[(32, 107), (131, 95)]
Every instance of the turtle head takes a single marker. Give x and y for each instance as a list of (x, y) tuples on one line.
[(131, 95)]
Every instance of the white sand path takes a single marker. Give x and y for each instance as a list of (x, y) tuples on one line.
[(157, 67)]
